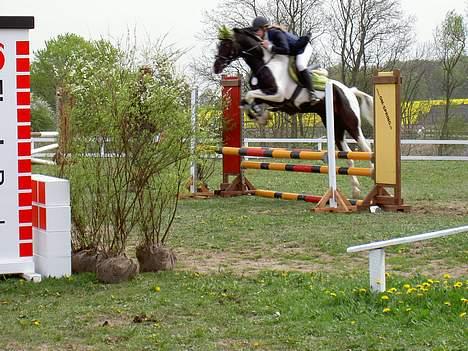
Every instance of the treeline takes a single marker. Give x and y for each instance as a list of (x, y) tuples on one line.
[(352, 39)]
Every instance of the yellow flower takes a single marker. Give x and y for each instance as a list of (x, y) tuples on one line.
[(447, 276), (387, 274), (410, 290), (458, 285), (157, 289), (463, 300), (408, 309), (426, 285), (36, 322), (447, 303), (391, 290), (430, 281), (333, 294), (406, 286), (353, 322), (463, 314), (386, 310), (362, 290), (384, 297)]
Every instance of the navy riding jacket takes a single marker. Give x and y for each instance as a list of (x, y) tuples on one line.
[(285, 43)]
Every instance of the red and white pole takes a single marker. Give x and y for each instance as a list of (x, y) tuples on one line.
[(16, 241)]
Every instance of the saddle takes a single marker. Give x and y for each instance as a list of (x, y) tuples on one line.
[(319, 75)]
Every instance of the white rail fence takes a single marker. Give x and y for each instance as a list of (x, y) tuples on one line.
[(38, 149), (377, 253), (41, 142)]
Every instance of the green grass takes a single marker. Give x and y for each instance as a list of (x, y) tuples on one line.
[(261, 274)]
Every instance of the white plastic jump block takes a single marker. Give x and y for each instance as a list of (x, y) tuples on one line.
[(54, 267), (51, 217), (52, 244), (50, 191)]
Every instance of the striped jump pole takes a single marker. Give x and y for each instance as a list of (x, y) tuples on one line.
[(272, 166), (293, 196), (293, 154)]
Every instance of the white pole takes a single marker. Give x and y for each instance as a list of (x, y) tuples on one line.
[(193, 167), (330, 141), (377, 270)]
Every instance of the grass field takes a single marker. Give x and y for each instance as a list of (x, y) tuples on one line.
[(261, 274)]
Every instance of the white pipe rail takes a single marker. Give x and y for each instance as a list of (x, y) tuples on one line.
[(377, 253), (44, 148), (331, 142)]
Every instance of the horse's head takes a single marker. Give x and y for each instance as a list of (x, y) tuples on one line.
[(233, 44)]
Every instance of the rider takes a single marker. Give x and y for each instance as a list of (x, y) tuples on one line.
[(281, 42)]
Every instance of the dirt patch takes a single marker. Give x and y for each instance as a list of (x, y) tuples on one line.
[(248, 262), (454, 208)]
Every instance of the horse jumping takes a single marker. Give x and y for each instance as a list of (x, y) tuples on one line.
[(272, 85)]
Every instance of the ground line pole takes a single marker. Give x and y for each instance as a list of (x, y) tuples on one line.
[(330, 142), (193, 144)]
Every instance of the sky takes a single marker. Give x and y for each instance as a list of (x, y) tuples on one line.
[(179, 20)]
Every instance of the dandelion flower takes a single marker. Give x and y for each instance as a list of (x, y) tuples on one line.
[(386, 310), (362, 290), (384, 297), (463, 300), (447, 276), (333, 294), (447, 303), (406, 286), (36, 322), (392, 290), (458, 285), (410, 290), (157, 289), (408, 309), (463, 314)]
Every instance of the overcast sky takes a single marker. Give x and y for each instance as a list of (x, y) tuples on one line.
[(181, 20)]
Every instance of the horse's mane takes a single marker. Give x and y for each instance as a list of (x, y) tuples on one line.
[(248, 31)]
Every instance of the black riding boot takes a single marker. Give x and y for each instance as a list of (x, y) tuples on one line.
[(306, 80)]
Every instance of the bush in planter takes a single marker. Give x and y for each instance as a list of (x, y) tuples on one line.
[(138, 114)]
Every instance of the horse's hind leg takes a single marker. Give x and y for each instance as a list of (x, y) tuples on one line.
[(364, 144), (343, 146)]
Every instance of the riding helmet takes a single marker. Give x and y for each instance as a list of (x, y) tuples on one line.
[(260, 22)]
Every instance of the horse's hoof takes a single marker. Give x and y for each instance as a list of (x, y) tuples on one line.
[(356, 194), (262, 119)]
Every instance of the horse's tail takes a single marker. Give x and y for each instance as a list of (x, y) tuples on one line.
[(366, 104)]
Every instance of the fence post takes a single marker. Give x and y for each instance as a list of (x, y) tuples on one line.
[(377, 270)]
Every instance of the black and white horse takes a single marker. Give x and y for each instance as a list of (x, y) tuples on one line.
[(272, 85)]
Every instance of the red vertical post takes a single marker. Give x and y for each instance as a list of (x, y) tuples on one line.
[(232, 137), (232, 128)]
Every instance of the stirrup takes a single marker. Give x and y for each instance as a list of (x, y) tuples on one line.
[(313, 97)]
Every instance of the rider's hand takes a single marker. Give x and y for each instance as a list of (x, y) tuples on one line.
[(266, 44)]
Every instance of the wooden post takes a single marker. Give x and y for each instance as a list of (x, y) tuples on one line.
[(387, 123)]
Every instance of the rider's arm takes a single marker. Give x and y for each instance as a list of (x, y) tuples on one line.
[(278, 42)]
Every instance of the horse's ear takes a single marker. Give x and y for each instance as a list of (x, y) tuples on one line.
[(224, 33)]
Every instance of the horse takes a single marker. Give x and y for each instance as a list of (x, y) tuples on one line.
[(273, 85)]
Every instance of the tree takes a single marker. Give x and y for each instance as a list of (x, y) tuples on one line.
[(367, 34), (52, 65), (450, 43), (42, 116)]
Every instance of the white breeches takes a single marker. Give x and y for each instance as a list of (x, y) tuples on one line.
[(302, 60)]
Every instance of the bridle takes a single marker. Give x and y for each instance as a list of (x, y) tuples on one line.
[(234, 54)]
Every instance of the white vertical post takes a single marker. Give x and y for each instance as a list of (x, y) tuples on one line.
[(330, 141), (377, 270), (193, 145)]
